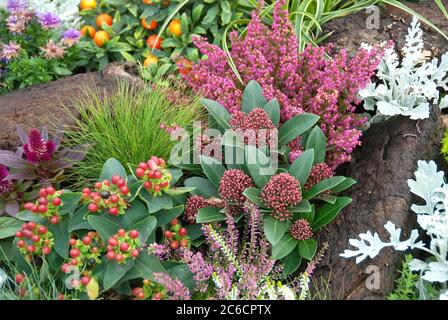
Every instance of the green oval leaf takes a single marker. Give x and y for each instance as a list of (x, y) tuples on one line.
[(273, 109), (291, 262), (252, 97), (253, 194), (259, 165), (105, 227), (318, 142), (284, 247), (112, 168), (203, 187), (9, 226), (295, 126), (209, 214), (115, 271), (213, 169), (308, 248), (322, 186), (328, 212), (274, 229), (218, 112), (301, 167)]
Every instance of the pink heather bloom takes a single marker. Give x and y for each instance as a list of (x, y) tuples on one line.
[(6, 186), (201, 270), (281, 193), (232, 185), (301, 82), (301, 230), (192, 206), (256, 127), (53, 51), (37, 150), (176, 289), (319, 172), (10, 51)]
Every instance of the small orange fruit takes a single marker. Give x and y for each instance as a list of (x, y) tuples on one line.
[(151, 26), (100, 38), (87, 4), (103, 18), (150, 2), (175, 27), (154, 42), (88, 31), (150, 60)]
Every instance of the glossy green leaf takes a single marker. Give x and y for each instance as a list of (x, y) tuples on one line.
[(273, 109), (291, 262), (9, 226), (274, 229), (295, 126), (322, 186), (210, 214), (328, 212), (148, 264), (301, 167), (253, 194), (308, 248), (213, 169), (203, 187), (252, 97), (164, 216), (145, 228), (61, 237), (283, 247), (219, 113), (344, 185), (318, 142), (112, 168), (115, 271), (259, 165), (105, 227)]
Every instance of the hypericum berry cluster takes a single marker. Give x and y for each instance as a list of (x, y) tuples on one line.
[(47, 205), (301, 230), (123, 245), (82, 284), (155, 175), (150, 290), (232, 185), (108, 196), (34, 239), (177, 235), (281, 193), (85, 252)]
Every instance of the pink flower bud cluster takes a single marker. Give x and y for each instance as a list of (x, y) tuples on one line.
[(232, 185)]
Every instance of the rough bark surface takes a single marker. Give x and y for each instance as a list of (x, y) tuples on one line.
[(387, 158), (41, 105)]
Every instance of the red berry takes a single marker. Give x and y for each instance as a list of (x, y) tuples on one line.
[(86, 196), (124, 247), (161, 163), (143, 165), (121, 232), (114, 211), (124, 190), (86, 190), (95, 250), (46, 250), (34, 209), (121, 183), (106, 183), (42, 201), (133, 234), (151, 174), (164, 184), (28, 234), (113, 242), (114, 198), (19, 234), (182, 232), (61, 297), (74, 253), (152, 165), (31, 225), (19, 278), (42, 209), (86, 240), (147, 185), (98, 185), (96, 199), (158, 296), (139, 172), (35, 238), (174, 245), (21, 244), (42, 230), (119, 257), (54, 219), (116, 179), (135, 253), (28, 206), (92, 207), (141, 295), (157, 188), (111, 255), (57, 202), (136, 291), (43, 192), (174, 222), (31, 248), (72, 242), (85, 280), (158, 174), (168, 234), (74, 262), (50, 191), (184, 243), (64, 267)]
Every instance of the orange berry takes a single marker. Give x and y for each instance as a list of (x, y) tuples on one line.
[(175, 27), (154, 42), (151, 26), (87, 4), (104, 18), (150, 60), (101, 37)]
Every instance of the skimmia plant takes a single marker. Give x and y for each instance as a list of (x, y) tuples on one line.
[(301, 82), (407, 87), (40, 160), (296, 200), (430, 185)]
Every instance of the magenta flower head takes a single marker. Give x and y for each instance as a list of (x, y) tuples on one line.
[(319, 172), (71, 37), (232, 185), (38, 150), (280, 193), (49, 20), (301, 230), (192, 206), (5, 185)]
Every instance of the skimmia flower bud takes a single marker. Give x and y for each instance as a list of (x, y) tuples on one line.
[(301, 230), (232, 185)]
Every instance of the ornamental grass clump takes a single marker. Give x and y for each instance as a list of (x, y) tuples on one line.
[(301, 82)]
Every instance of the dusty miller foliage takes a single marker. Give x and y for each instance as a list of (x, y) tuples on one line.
[(430, 185), (407, 88)]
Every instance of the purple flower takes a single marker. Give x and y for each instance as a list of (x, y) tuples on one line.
[(70, 37), (5, 185), (38, 150), (16, 23), (49, 20), (10, 51), (16, 6)]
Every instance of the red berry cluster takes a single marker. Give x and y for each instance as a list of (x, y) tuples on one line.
[(177, 235), (47, 205), (83, 282), (108, 196), (150, 290), (155, 175), (123, 245), (34, 239), (84, 253)]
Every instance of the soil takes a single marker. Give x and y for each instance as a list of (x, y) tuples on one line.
[(44, 105)]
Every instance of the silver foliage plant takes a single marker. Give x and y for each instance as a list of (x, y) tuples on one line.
[(407, 88), (430, 185)]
